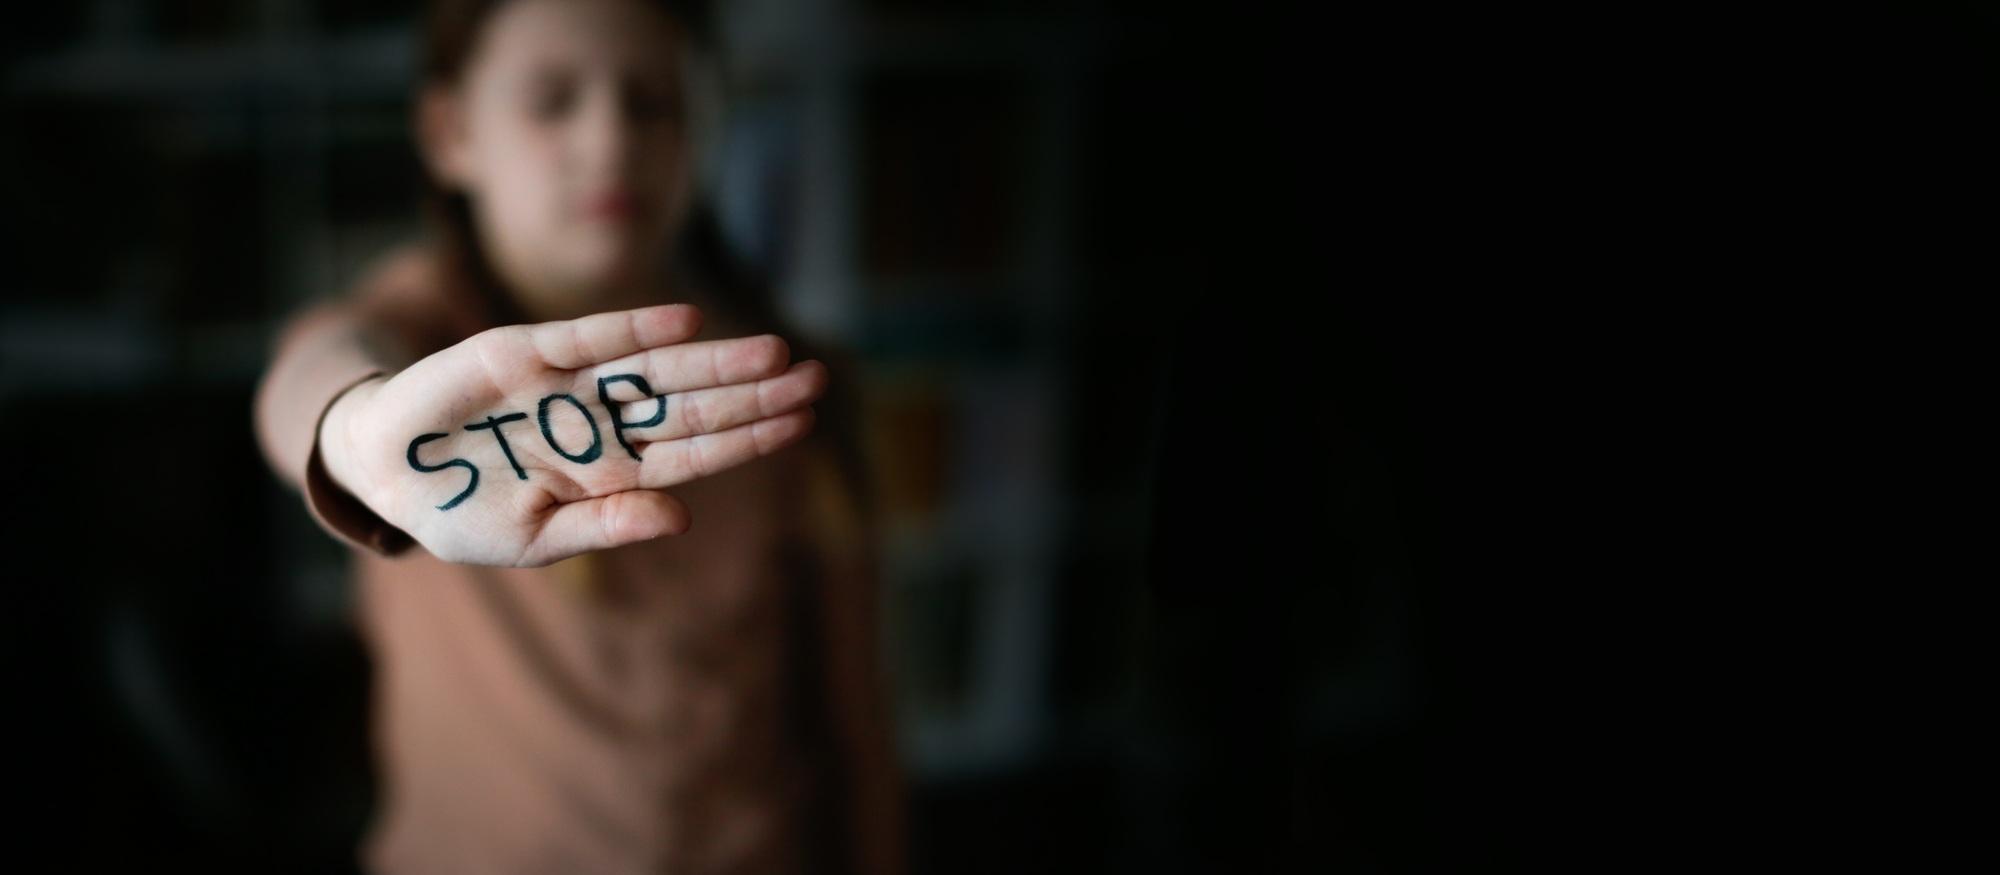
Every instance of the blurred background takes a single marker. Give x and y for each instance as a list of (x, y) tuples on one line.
[(1153, 407)]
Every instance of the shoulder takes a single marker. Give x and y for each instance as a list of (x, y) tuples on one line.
[(403, 279), (405, 289), (407, 264)]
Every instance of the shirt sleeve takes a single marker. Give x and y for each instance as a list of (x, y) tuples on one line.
[(337, 511)]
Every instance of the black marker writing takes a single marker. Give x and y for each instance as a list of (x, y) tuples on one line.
[(455, 463), (618, 426), (494, 423), (548, 434)]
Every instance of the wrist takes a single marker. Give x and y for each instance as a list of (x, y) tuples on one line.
[(336, 442)]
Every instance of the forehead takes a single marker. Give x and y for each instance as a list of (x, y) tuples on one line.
[(524, 36)]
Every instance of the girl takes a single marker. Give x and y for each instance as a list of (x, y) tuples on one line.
[(576, 671)]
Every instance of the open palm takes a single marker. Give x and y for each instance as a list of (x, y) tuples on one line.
[(528, 444)]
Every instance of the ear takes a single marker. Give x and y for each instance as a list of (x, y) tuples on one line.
[(441, 136)]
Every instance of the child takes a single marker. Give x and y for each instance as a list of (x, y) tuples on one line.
[(576, 671)]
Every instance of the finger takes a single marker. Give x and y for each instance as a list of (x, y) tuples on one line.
[(705, 411), (668, 463), (684, 367), (603, 337), (602, 523)]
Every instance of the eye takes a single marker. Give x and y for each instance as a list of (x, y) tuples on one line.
[(550, 99)]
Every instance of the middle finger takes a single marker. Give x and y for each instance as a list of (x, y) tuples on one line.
[(706, 411)]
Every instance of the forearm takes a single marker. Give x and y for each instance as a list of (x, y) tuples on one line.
[(320, 353)]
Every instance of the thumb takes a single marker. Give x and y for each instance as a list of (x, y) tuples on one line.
[(602, 523)]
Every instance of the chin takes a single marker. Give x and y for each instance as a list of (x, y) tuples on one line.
[(600, 286), (609, 262)]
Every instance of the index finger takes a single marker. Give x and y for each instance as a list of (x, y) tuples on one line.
[(601, 337)]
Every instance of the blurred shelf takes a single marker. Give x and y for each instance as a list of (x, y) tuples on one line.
[(993, 40), (945, 324), (53, 353), (375, 64), (765, 43)]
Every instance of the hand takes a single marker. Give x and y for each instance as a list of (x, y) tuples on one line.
[(528, 444)]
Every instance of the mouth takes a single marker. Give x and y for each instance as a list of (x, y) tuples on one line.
[(614, 206)]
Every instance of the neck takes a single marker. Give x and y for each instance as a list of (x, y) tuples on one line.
[(549, 305)]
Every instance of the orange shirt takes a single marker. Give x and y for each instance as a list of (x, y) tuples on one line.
[(654, 708)]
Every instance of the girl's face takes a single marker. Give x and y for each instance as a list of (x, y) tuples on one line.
[(566, 132)]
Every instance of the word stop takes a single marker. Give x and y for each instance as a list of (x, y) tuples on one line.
[(586, 456)]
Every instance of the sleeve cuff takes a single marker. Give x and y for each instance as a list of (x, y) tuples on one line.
[(337, 510)]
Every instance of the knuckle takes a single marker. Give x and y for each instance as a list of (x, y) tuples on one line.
[(499, 336), (698, 416), (607, 519), (690, 461)]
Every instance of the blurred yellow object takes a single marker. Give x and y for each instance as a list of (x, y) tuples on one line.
[(908, 436)]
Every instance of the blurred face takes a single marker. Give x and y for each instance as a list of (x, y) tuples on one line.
[(566, 132)]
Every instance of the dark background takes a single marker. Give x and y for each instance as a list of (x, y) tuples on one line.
[(1411, 381)]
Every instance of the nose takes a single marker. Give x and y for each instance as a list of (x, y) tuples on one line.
[(605, 137)]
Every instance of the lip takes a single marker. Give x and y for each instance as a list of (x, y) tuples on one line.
[(616, 206)]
